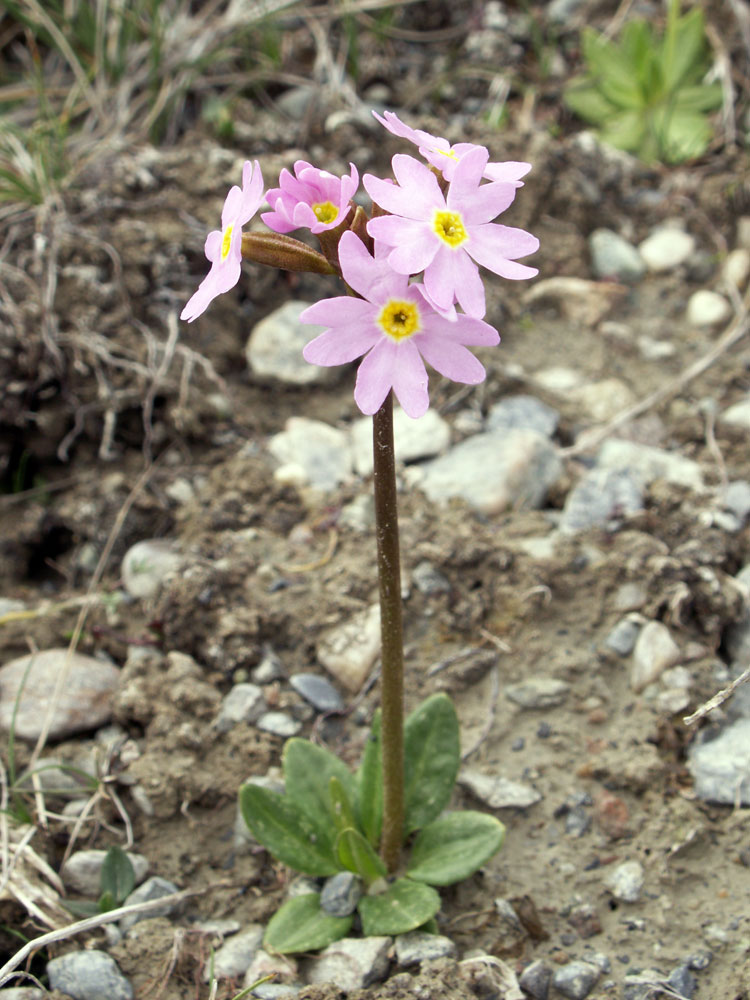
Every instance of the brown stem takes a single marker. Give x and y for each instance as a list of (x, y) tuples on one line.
[(391, 632)]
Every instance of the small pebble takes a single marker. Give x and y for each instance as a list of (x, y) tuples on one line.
[(613, 257), (88, 975), (538, 692), (497, 792), (576, 979), (707, 308), (585, 920), (318, 690), (523, 411), (279, 724), (153, 888), (349, 651), (626, 881), (351, 963), (242, 703), (340, 894), (622, 637), (274, 349), (666, 248), (147, 565), (654, 652), (720, 768), (417, 946), (429, 580), (232, 959), (683, 981), (535, 980)]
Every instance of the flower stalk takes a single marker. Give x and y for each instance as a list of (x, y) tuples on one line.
[(391, 631)]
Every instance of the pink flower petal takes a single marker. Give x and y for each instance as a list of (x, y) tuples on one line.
[(339, 346), (373, 279), (466, 176), (419, 195), (452, 360), (375, 376), (440, 277), (469, 285), (338, 311), (494, 246), (486, 203), (411, 258), (510, 171), (410, 380), (466, 330)]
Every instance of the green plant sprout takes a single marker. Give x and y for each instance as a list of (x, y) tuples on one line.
[(116, 882), (647, 95), (435, 219)]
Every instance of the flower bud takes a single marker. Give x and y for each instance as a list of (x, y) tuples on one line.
[(284, 252)]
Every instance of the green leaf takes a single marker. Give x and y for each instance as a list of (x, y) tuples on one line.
[(683, 135), (308, 769), (612, 71), (300, 925), (370, 785), (705, 97), (341, 806), (286, 832), (625, 131), (454, 847), (431, 760), (683, 48), (117, 876), (356, 854), (404, 906), (587, 101)]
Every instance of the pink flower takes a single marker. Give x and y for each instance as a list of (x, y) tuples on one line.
[(312, 199), (441, 154), (395, 327), (447, 236), (224, 248)]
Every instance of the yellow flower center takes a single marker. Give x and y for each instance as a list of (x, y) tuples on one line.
[(447, 153), (325, 211), (450, 228), (226, 242), (399, 319)]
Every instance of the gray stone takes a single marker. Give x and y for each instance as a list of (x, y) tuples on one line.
[(535, 980), (233, 958), (601, 497), (622, 637), (738, 414), (275, 991), (655, 651), (429, 580), (721, 767), (538, 692), (88, 975), (523, 411), (646, 463), (340, 894), (22, 993), (242, 703), (736, 498), (640, 985), (274, 349), (625, 882), (426, 437), (153, 888), (497, 792), (318, 691), (494, 471), (83, 703), (349, 651), (351, 963), (82, 871), (682, 981), (279, 724), (417, 946), (613, 257), (707, 308), (576, 979), (311, 452), (147, 565), (9, 606), (269, 669), (604, 399), (666, 248), (580, 301)]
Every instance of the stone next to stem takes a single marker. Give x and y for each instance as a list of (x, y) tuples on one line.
[(436, 221)]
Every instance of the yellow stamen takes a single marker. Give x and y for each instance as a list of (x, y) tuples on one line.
[(449, 227), (226, 242), (447, 153), (325, 211), (399, 319)]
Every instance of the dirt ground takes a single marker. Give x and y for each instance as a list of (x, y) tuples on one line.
[(129, 392)]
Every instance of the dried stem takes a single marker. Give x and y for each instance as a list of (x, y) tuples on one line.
[(391, 632)]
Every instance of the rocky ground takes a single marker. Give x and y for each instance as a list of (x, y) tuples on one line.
[(193, 504)]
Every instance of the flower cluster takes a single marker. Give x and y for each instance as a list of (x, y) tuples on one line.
[(434, 220)]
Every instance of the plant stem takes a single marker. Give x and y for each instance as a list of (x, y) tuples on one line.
[(391, 634)]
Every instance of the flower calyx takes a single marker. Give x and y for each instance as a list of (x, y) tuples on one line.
[(276, 250)]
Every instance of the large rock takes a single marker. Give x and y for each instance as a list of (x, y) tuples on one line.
[(274, 349), (82, 704)]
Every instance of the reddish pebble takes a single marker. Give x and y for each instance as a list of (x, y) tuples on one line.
[(611, 815), (597, 716)]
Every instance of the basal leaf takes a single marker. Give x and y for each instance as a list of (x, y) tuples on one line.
[(611, 70), (308, 769), (286, 832), (587, 101), (684, 135), (625, 131), (454, 847), (300, 925), (703, 97), (402, 907), (341, 806), (370, 785), (117, 875), (431, 760), (356, 854), (683, 48)]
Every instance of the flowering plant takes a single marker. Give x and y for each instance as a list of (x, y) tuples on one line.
[(437, 221)]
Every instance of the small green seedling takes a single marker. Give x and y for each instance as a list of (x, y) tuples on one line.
[(116, 882), (329, 820), (647, 94)]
